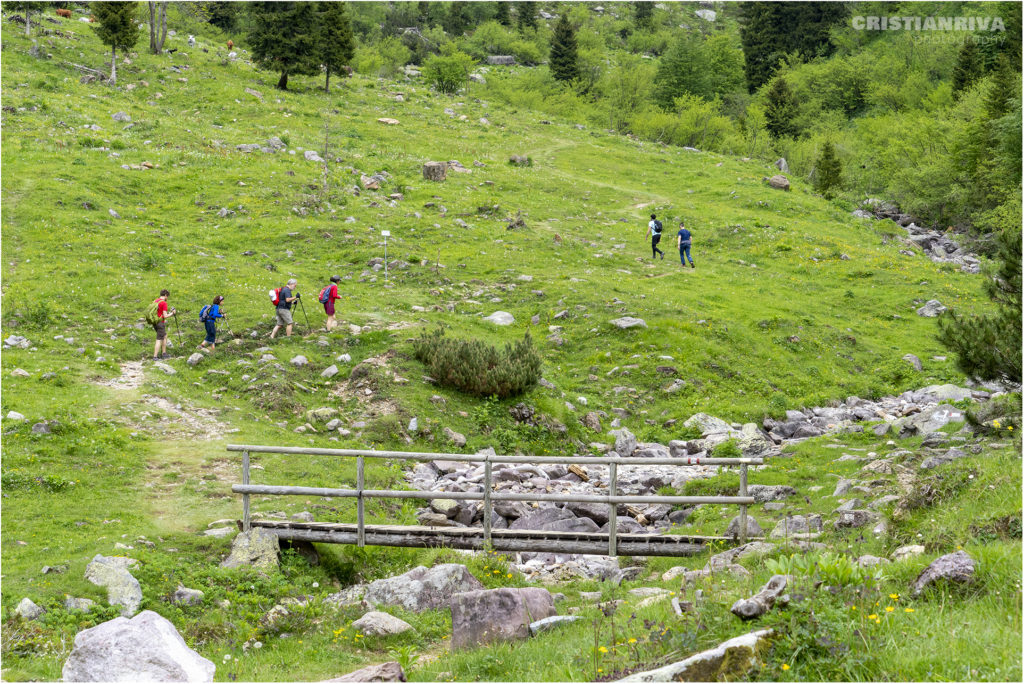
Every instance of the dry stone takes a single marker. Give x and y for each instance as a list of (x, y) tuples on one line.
[(760, 603), (422, 588), (955, 567), (435, 171), (386, 672), (487, 616), (122, 589), (376, 623), (257, 548), (727, 661)]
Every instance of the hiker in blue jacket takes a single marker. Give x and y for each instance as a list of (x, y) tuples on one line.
[(683, 239), (209, 315)]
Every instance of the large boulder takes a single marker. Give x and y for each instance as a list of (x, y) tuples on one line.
[(955, 567), (486, 616), (122, 589), (779, 182), (727, 661), (257, 547), (422, 588), (797, 525), (146, 648), (931, 309), (927, 421), (625, 442), (753, 442), (708, 425), (554, 520)]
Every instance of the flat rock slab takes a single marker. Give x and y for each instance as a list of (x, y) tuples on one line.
[(497, 615), (146, 648), (628, 322), (422, 588), (955, 567), (552, 622), (387, 672), (112, 573), (737, 656)]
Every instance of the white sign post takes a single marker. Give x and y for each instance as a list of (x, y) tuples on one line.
[(386, 234)]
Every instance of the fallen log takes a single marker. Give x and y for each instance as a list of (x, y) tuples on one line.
[(760, 603)]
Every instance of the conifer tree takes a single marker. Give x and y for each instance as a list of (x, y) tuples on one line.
[(988, 347), (683, 69), (117, 26), (781, 110), (455, 20), (27, 8), (283, 38), (334, 43), (828, 171), (968, 67), (502, 14), (564, 60), (526, 15), (643, 13)]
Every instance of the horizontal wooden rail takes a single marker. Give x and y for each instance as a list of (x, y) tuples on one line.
[(483, 458)]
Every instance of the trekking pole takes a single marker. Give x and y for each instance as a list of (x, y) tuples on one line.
[(178, 328), (303, 306)]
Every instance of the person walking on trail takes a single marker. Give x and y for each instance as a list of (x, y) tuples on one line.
[(157, 317), (683, 239), (285, 297), (209, 315), (328, 296), (654, 230)]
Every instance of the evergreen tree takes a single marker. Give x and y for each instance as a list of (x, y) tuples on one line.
[(117, 26), (643, 14), (526, 15), (27, 8), (989, 347), (968, 67), (455, 20), (564, 60), (781, 110), (502, 15), (1002, 91), (828, 171), (770, 30), (334, 43), (683, 69), (224, 15), (283, 38)]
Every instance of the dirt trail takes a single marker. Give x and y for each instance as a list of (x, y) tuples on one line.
[(132, 376)]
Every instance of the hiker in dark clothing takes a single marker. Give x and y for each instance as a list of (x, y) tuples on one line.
[(683, 239), (654, 230), (209, 315), (283, 308)]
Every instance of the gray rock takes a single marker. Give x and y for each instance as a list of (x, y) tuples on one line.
[(112, 573), (82, 604), (41, 428), (299, 361), (28, 610), (797, 524), (723, 560), (14, 415), (501, 318), (729, 660), (955, 567), (854, 518), (762, 602), (942, 459), (782, 166), (386, 672), (842, 487), (913, 361), (625, 442), (906, 552), (421, 588), (122, 116), (187, 597), (446, 507), (456, 438), (257, 547), (376, 623), (547, 623), (194, 359), (868, 561), (626, 322), (708, 425), (497, 615), (932, 309), (329, 372), (160, 365), (146, 648), (595, 511), (753, 529), (766, 493), (312, 156), (779, 182), (17, 341), (849, 505)]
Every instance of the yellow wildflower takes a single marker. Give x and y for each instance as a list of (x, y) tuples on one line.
[(872, 617), (785, 666), (632, 640), (602, 649), (894, 596), (889, 609), (908, 610)]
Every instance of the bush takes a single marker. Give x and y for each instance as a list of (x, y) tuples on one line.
[(448, 72), (477, 368)]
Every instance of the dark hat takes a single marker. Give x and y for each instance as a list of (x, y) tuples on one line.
[(335, 279)]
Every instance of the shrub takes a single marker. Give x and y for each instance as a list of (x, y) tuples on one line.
[(448, 72), (477, 368)]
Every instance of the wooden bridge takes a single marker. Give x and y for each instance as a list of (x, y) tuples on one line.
[(611, 543)]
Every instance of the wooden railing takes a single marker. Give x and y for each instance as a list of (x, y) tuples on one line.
[(360, 493)]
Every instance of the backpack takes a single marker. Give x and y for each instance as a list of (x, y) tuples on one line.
[(325, 295), (203, 313), (657, 227), (151, 313), (275, 296)]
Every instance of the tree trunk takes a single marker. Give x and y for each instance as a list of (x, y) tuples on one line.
[(163, 25), (283, 83), (113, 65), (152, 28), (327, 83), (27, 25)]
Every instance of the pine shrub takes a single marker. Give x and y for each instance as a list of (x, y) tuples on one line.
[(477, 368)]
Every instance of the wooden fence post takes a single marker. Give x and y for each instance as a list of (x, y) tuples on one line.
[(743, 507), (360, 523), (487, 501), (245, 497), (613, 511)]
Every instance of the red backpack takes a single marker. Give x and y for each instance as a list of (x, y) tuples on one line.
[(275, 296)]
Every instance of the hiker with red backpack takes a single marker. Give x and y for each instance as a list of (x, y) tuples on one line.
[(328, 296), (157, 316), (282, 299)]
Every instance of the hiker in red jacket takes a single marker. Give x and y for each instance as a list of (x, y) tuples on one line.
[(328, 296), (162, 314)]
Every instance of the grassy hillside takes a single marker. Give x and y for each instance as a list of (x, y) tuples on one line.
[(773, 317)]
